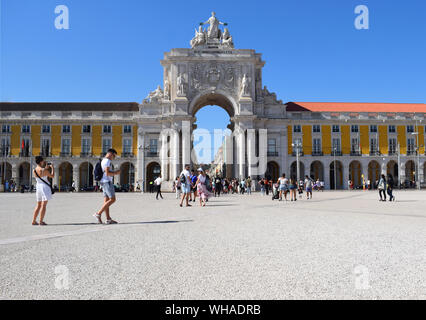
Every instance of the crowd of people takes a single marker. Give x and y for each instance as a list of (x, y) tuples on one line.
[(189, 185)]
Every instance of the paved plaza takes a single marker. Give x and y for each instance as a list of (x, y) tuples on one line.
[(339, 245)]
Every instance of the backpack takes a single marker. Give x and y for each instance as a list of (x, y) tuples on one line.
[(182, 179), (98, 173)]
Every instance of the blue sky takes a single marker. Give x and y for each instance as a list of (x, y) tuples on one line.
[(312, 50)]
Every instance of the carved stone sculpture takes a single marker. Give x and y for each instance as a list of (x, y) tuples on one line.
[(181, 85), (245, 86)]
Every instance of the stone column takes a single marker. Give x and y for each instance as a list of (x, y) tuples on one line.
[(228, 155), (140, 161), (345, 175), (327, 182), (186, 143), (283, 152), (164, 159), (175, 155), (402, 173), (241, 153), (251, 154), (56, 177), (76, 176)]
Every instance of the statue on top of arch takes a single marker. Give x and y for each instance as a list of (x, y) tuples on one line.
[(213, 35)]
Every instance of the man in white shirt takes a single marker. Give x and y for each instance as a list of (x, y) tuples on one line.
[(157, 184), (308, 187), (107, 186), (186, 185)]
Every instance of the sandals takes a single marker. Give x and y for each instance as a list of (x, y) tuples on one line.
[(35, 223), (43, 223)]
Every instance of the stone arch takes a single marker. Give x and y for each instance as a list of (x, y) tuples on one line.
[(152, 170), (85, 175), (65, 172), (339, 175), (293, 170), (5, 171), (410, 171), (373, 172), (217, 98), (355, 172), (24, 175), (272, 170), (392, 169), (127, 175), (317, 170)]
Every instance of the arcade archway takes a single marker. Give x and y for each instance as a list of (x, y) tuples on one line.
[(272, 171), (24, 177), (355, 171), (317, 171), (127, 175), (65, 176), (336, 175), (86, 175)]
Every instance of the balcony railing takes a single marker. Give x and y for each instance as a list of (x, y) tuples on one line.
[(45, 154), (294, 153), (127, 155), (85, 154), (272, 154), (411, 152), (317, 153), (65, 154), (151, 154), (24, 154), (355, 153), (375, 153), (392, 153), (336, 153)]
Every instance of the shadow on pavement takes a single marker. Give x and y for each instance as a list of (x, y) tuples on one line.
[(120, 223)]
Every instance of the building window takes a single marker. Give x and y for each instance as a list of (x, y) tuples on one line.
[(316, 128), (410, 129), (107, 129), (336, 145), (392, 129), (297, 128), (5, 147), (87, 128), (411, 147), (392, 146), (45, 147), (373, 128), (336, 128), (354, 145), (66, 146), (373, 146), (316, 146), (153, 146), (272, 147), (5, 128), (66, 128), (85, 146), (25, 147), (106, 144), (26, 128), (45, 128), (354, 128), (127, 129), (127, 146)]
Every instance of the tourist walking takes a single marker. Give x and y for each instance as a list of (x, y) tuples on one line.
[(218, 186), (308, 187), (43, 189), (186, 185), (283, 187), (157, 183), (104, 170), (248, 185), (390, 186), (382, 187), (293, 189), (201, 187), (177, 187), (193, 194)]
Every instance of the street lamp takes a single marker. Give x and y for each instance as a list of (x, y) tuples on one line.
[(297, 147), (417, 175), (335, 169)]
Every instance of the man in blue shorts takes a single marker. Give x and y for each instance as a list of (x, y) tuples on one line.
[(186, 184)]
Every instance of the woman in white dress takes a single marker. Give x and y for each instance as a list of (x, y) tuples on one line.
[(43, 190)]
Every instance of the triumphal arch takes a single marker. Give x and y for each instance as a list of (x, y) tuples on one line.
[(211, 71)]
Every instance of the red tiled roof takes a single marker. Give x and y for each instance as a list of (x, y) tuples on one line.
[(356, 107)]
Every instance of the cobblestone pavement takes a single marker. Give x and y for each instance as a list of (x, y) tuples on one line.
[(339, 245)]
